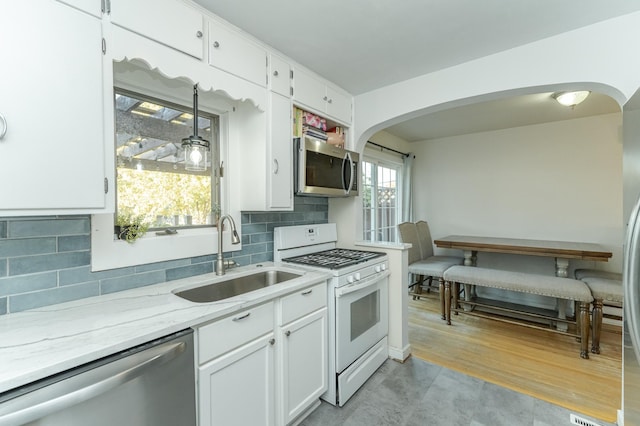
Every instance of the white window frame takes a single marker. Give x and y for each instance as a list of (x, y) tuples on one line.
[(391, 161), (110, 253)]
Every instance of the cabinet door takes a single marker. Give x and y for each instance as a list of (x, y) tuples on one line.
[(237, 389), (308, 90), (280, 169), (52, 154), (170, 22), (338, 105), (231, 52), (304, 363), (280, 76)]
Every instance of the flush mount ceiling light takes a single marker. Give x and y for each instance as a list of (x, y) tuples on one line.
[(570, 99), (195, 148)]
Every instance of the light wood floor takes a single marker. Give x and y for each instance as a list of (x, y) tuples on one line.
[(538, 363)]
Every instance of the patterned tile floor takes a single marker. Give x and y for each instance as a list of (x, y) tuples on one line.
[(418, 393)]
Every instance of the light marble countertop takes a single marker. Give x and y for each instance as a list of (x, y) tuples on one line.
[(38, 343)]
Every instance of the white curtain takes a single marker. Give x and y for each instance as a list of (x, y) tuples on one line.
[(407, 188)]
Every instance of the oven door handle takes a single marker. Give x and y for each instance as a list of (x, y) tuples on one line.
[(351, 288)]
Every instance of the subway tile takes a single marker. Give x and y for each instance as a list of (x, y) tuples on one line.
[(265, 217), (74, 243), (48, 227), (170, 264), (3, 305), (261, 257), (242, 259), (27, 246), (83, 274), (254, 248), (189, 271), (3, 229), (3, 267), (254, 228), (245, 239), (27, 283), (261, 238), (37, 299), (245, 217), (48, 262), (112, 285)]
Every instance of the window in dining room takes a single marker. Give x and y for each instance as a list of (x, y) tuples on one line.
[(381, 192)]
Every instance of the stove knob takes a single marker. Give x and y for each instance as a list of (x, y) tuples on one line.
[(357, 276), (378, 268), (350, 279), (384, 266)]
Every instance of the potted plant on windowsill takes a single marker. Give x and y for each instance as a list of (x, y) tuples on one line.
[(130, 227)]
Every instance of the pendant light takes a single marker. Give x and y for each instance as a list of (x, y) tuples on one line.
[(196, 149)]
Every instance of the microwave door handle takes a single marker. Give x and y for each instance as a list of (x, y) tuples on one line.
[(347, 161)]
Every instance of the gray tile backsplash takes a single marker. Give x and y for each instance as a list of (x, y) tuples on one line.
[(46, 260)]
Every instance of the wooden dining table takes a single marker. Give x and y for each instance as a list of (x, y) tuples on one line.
[(562, 251)]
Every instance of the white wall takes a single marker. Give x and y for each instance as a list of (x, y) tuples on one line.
[(556, 181)]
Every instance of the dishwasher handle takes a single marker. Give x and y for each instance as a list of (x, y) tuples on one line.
[(110, 376)]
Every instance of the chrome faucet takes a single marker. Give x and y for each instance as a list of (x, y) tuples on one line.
[(235, 239)]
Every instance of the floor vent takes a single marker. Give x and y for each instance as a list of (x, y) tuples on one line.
[(576, 420)]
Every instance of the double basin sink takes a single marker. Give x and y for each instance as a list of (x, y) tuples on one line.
[(236, 286)]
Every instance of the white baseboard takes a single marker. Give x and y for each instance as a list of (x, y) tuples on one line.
[(620, 421), (400, 354)]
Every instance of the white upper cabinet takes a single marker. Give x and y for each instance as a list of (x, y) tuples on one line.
[(280, 155), (235, 54), (170, 22), (320, 96), (51, 103), (280, 76)]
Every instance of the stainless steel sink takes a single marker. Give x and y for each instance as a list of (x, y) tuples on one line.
[(235, 286)]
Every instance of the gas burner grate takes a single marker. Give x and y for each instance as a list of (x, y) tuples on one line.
[(334, 258)]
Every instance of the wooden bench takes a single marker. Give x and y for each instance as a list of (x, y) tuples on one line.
[(542, 285)]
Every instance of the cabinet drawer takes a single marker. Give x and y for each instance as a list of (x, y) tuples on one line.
[(221, 336), (303, 302)]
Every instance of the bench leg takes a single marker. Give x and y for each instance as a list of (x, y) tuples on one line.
[(447, 301), (456, 296), (596, 327), (584, 330), (443, 310)]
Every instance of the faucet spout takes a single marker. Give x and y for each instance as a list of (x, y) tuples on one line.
[(235, 239)]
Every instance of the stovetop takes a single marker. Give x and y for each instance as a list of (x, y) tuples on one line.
[(334, 258)]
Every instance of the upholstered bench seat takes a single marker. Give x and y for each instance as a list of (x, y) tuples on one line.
[(542, 285)]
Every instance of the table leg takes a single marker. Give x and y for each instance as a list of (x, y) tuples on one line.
[(470, 257), (562, 265), (447, 301)]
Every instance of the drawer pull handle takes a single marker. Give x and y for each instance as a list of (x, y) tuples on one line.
[(272, 342), (242, 317), (304, 293), (288, 333)]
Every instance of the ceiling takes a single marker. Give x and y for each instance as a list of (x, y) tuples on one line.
[(362, 45)]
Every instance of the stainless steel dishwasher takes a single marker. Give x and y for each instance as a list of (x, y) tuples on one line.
[(152, 385)]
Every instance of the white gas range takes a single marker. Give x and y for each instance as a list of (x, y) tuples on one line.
[(357, 302)]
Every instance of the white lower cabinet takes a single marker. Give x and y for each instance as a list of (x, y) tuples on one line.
[(304, 363), (266, 365), (237, 388)]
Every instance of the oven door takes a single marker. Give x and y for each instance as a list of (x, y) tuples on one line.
[(361, 317)]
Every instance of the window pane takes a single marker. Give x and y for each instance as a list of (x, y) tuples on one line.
[(151, 178), (380, 202)]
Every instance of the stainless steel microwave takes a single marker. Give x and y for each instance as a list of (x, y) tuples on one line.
[(324, 170)]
